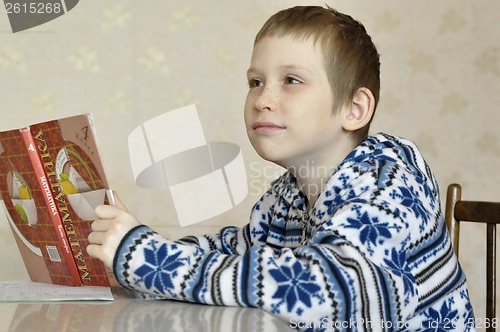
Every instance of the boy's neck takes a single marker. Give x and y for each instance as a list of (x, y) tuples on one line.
[(314, 171), (313, 174), (312, 186)]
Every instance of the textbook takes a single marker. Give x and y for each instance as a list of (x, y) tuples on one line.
[(51, 179)]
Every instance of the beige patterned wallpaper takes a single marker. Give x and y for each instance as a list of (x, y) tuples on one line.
[(128, 61)]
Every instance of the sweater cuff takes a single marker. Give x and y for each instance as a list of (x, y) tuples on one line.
[(125, 251)]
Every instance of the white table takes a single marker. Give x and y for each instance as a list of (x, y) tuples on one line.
[(126, 314)]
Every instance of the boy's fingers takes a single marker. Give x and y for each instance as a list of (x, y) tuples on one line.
[(95, 238), (99, 225), (94, 250), (99, 252), (102, 247), (107, 211)]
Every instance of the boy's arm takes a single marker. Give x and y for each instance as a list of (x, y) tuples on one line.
[(326, 281), (115, 223)]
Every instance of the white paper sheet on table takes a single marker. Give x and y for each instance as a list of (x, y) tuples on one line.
[(27, 291)]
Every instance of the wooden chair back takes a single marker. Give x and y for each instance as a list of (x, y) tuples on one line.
[(488, 213)]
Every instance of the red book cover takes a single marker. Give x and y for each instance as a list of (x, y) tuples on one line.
[(51, 179), (45, 257), (68, 150)]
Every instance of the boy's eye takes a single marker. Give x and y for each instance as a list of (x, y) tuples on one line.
[(253, 83), (292, 80)]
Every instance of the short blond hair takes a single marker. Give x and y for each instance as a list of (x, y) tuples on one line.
[(351, 59)]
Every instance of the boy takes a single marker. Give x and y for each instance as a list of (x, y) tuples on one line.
[(351, 236)]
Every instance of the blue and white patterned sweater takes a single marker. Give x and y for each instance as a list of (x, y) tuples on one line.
[(372, 254)]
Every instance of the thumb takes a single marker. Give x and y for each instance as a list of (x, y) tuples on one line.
[(117, 202)]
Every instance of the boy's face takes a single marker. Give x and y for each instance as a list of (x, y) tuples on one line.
[(288, 110)]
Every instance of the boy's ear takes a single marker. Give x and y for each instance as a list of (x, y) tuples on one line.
[(360, 111)]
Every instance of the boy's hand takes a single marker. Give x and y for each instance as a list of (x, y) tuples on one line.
[(107, 231)]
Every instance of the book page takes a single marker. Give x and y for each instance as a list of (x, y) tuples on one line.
[(27, 291)]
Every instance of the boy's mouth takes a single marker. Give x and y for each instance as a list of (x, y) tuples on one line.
[(267, 127)]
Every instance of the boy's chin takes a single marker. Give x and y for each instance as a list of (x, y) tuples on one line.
[(270, 152), (272, 158)]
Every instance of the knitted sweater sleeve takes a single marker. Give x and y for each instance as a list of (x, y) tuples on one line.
[(357, 267)]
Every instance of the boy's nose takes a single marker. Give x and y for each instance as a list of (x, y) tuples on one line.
[(266, 100)]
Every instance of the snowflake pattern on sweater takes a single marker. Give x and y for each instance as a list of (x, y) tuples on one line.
[(373, 254)]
